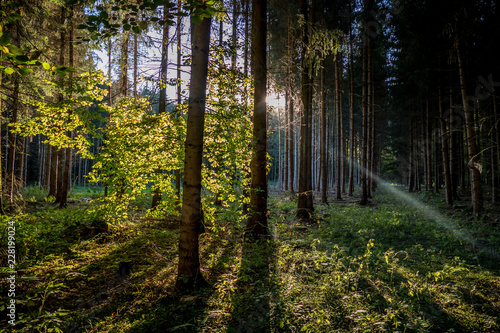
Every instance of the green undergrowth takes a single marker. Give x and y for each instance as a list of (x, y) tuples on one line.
[(401, 264)]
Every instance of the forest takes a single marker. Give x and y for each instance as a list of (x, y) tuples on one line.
[(249, 166)]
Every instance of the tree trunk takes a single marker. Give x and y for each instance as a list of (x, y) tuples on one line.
[(322, 156), (179, 89), (123, 86), (162, 103), (291, 99), (445, 150), (496, 153), (11, 157), (473, 164), (351, 118), (364, 153), (338, 104), (257, 221), (66, 175), (234, 40), (188, 274)]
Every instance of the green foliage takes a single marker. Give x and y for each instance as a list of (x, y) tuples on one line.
[(69, 122), (136, 145), (228, 133)]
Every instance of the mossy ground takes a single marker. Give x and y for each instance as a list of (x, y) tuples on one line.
[(392, 266)]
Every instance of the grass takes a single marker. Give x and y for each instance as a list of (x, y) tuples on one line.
[(388, 267)]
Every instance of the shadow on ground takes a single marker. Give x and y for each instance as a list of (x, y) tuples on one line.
[(251, 300)]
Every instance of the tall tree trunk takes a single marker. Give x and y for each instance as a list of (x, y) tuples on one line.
[(234, 40), (351, 117), (309, 150), (496, 152), (323, 158), (162, 103), (364, 153), (188, 273), (453, 158), (411, 182), (291, 100), (287, 124), (136, 63), (304, 203), (11, 157), (445, 149), (257, 221), (66, 175), (369, 152), (179, 89), (338, 104), (473, 154)]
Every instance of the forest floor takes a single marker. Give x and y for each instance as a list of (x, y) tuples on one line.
[(404, 263)]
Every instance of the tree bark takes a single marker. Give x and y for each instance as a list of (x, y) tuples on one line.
[(291, 99), (351, 117), (475, 175), (257, 221), (338, 104), (189, 274), (445, 150), (322, 156), (162, 103), (364, 153), (123, 86)]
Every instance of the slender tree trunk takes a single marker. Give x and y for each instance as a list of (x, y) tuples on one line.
[(287, 124), (445, 150), (162, 103), (428, 148), (411, 182), (309, 150), (304, 203), (234, 40), (473, 154), (369, 152), (496, 152), (123, 86), (179, 89), (188, 273), (291, 99), (364, 153), (323, 157), (66, 175), (136, 63), (338, 104), (11, 157), (453, 157), (109, 100), (247, 38), (351, 117), (257, 221)]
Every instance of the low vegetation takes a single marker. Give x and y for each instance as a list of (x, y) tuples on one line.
[(385, 267)]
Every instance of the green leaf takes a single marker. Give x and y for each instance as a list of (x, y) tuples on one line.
[(14, 17), (15, 50), (137, 30), (25, 71), (46, 66), (126, 27), (9, 70), (81, 26), (22, 58)]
